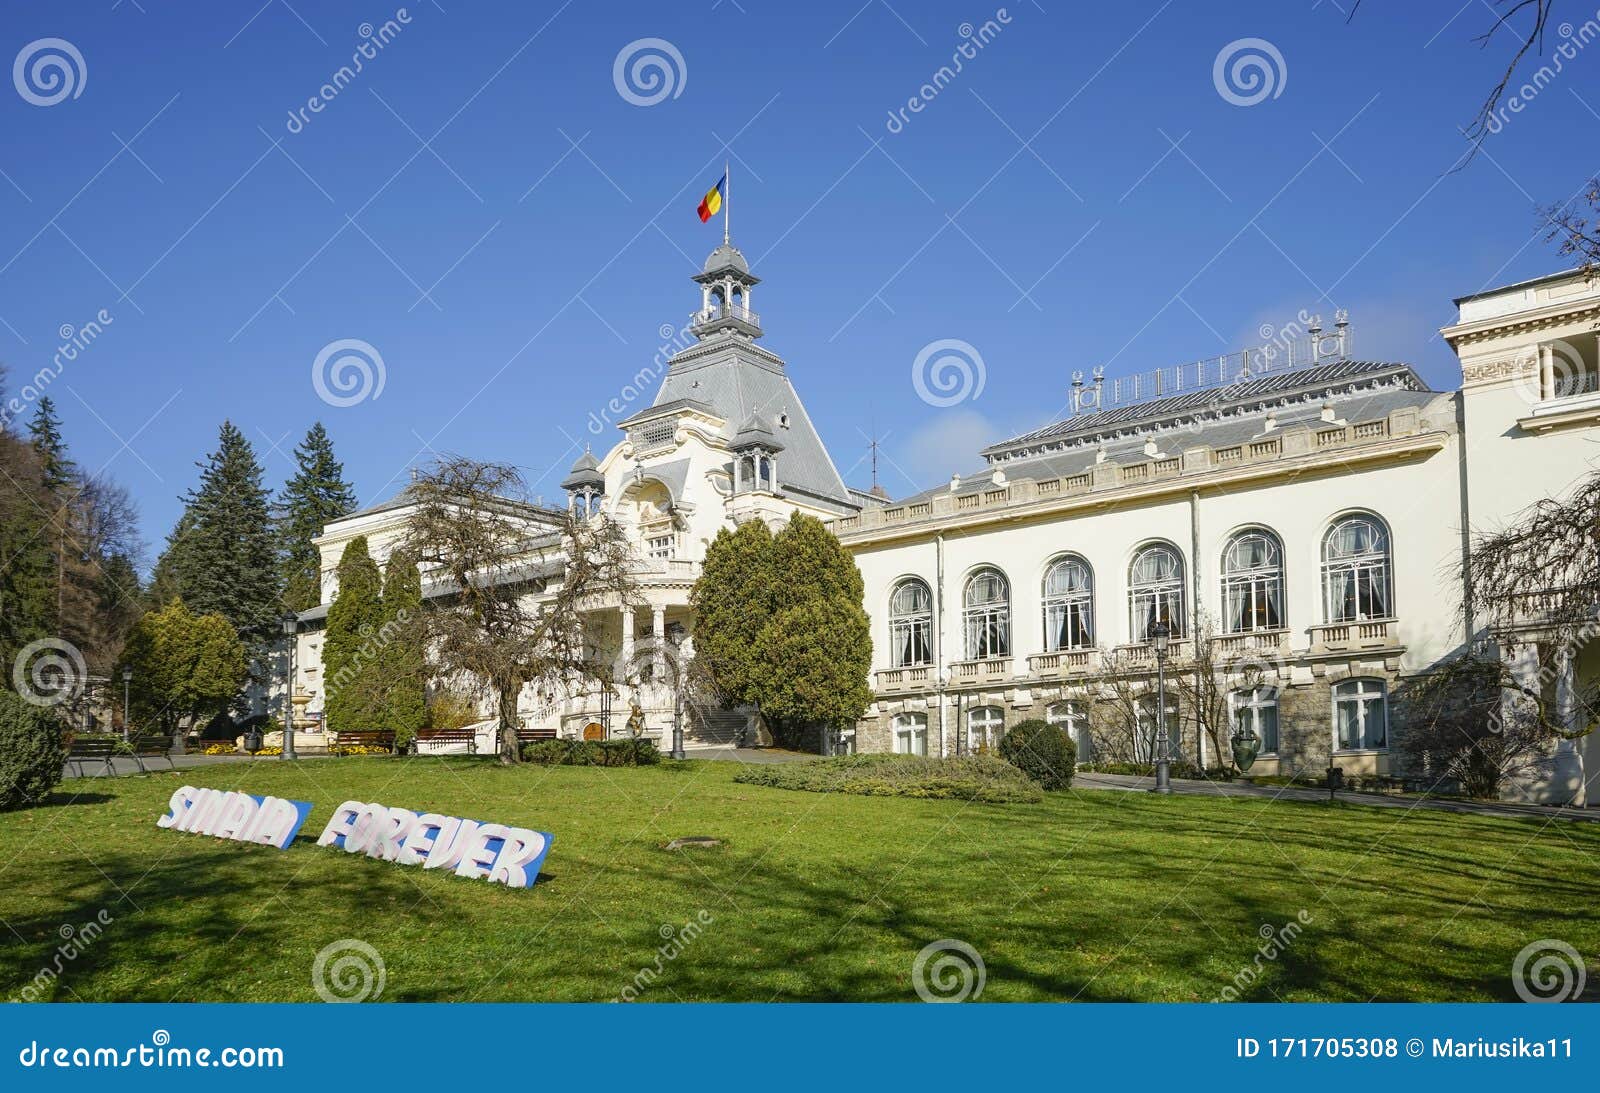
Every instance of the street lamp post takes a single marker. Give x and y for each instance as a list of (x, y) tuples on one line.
[(291, 627), (127, 678), (1160, 635)]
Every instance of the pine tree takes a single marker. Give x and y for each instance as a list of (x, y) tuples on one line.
[(27, 570), (316, 496), (404, 658), (220, 559), (352, 671), (44, 430)]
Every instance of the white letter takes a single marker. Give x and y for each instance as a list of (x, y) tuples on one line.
[(340, 824)]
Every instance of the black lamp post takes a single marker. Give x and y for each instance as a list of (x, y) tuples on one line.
[(127, 678), (291, 627), (1160, 635)]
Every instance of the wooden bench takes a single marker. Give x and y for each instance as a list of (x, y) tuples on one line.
[(93, 749), (152, 746), (370, 739), (467, 736), (529, 736)]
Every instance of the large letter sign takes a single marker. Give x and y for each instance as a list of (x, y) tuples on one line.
[(243, 817), (492, 852)]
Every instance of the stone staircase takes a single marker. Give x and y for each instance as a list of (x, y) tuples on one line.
[(715, 728)]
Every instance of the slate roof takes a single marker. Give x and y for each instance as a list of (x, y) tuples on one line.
[(740, 380)]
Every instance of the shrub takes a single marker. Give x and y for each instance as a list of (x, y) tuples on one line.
[(1043, 752), (592, 753), (970, 778), (1178, 769), (32, 755)]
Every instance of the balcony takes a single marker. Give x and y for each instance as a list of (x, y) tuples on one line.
[(896, 680), (1141, 656), (994, 670), (1259, 643), (1063, 662), (1339, 637), (734, 315)]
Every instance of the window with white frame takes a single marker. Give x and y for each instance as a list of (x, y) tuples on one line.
[(659, 546), (1360, 715), (1356, 570), (1255, 711), (910, 734), (910, 624), (1068, 604), (985, 726), (1145, 742), (1073, 717), (986, 615), (1252, 582), (1155, 591)]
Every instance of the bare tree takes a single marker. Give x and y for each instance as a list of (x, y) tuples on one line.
[(518, 579)]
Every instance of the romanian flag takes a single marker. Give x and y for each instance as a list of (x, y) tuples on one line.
[(711, 204)]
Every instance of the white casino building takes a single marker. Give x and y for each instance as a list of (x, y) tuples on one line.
[(1295, 514)]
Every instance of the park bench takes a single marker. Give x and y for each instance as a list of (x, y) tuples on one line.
[(528, 736), (369, 739), (466, 735), (152, 746), (93, 749)]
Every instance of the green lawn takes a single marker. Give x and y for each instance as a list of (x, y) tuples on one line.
[(1088, 895)]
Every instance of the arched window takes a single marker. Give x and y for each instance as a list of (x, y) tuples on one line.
[(910, 624), (1073, 717), (1068, 604), (986, 615), (1252, 582), (1356, 566), (985, 726), (1360, 715), (1256, 711), (1155, 591), (910, 734)]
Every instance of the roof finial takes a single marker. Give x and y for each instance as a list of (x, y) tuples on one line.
[(727, 198)]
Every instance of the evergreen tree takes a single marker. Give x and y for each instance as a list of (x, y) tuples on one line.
[(403, 662), (316, 496), (780, 626), (351, 668), (44, 430), (220, 559), (733, 601), (27, 570), (187, 668)]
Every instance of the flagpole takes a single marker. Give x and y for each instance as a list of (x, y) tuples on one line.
[(727, 199)]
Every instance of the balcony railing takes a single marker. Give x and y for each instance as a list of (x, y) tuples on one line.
[(1256, 643), (1064, 662), (915, 678), (730, 311), (980, 671), (1142, 655), (1362, 634)]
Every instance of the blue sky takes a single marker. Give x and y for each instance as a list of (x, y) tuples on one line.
[(485, 208)]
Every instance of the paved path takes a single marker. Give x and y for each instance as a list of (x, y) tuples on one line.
[(1195, 788), (120, 765)]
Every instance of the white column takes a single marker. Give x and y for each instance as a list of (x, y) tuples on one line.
[(1569, 759), (627, 636), (1547, 371), (658, 631)]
